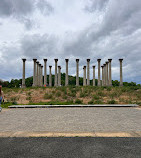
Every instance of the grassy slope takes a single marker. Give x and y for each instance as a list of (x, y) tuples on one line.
[(73, 95)]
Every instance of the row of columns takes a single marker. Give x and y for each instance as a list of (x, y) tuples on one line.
[(38, 73)]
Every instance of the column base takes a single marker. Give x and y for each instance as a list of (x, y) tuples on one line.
[(23, 86)]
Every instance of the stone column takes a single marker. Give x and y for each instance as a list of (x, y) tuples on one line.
[(66, 78), (50, 76), (34, 72), (102, 75), (99, 82), (56, 60), (84, 76), (88, 72), (121, 75), (93, 75), (23, 79), (59, 75), (107, 74), (45, 72), (110, 72), (37, 73), (77, 72), (41, 76)]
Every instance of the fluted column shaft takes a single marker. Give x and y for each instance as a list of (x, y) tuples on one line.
[(102, 75), (55, 84), (121, 75), (107, 74), (50, 76), (59, 75), (23, 78), (99, 82), (37, 72), (41, 76), (88, 72), (84, 76), (93, 75), (45, 71), (66, 77), (110, 72), (77, 72), (34, 72)]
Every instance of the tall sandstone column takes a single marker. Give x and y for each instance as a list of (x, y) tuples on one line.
[(110, 72), (50, 76), (45, 72), (84, 76), (55, 84), (66, 78), (88, 72), (37, 74), (107, 74), (121, 75), (23, 78), (59, 75), (34, 72), (104, 73), (41, 76), (99, 82), (77, 72), (93, 75)]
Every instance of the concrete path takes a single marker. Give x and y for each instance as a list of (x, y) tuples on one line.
[(125, 122)]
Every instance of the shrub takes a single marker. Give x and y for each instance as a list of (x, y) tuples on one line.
[(58, 94), (78, 101), (98, 102), (108, 88), (111, 102), (96, 97), (100, 93), (91, 102), (48, 96)]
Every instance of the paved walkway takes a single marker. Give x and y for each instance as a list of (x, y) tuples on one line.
[(70, 147), (71, 120)]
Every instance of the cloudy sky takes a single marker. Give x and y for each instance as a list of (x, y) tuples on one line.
[(70, 29)]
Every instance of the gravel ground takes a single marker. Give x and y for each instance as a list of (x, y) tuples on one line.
[(71, 119)]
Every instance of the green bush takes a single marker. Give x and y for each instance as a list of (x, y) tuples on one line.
[(78, 101), (91, 102), (48, 96), (111, 102), (96, 97), (58, 94), (98, 102)]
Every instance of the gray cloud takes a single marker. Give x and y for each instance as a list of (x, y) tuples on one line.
[(15, 7), (116, 36), (38, 46), (45, 7), (94, 5)]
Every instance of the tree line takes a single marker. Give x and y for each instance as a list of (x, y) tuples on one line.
[(72, 81)]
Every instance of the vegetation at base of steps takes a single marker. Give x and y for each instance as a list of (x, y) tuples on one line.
[(72, 95)]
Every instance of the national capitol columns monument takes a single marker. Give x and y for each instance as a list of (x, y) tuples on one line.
[(39, 77)]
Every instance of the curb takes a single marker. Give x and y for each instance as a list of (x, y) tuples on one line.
[(72, 106), (60, 134)]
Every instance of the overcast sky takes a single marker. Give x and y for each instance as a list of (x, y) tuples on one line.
[(70, 29)]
